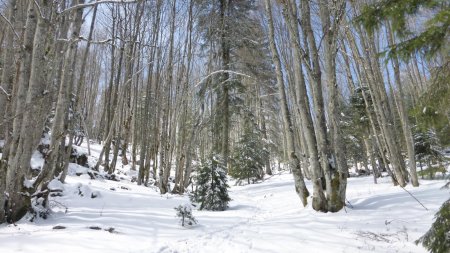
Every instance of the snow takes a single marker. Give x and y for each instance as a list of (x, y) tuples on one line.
[(110, 216), (37, 161), (2, 143), (28, 183), (264, 217), (45, 140), (75, 169), (55, 185)]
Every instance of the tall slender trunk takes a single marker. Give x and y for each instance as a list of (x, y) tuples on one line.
[(80, 87), (8, 68), (17, 204), (315, 79), (400, 96), (166, 133), (300, 186), (330, 31), (55, 161), (225, 105)]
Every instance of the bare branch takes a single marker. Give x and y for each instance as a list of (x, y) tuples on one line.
[(81, 38), (39, 9), (106, 41), (4, 91), (86, 5), (10, 25), (220, 72)]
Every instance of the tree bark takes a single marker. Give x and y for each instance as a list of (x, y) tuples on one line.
[(330, 32), (300, 186), (33, 119), (404, 116)]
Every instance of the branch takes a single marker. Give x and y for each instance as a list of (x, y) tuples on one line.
[(220, 72), (39, 9), (10, 25), (81, 38), (106, 41), (4, 91), (82, 6)]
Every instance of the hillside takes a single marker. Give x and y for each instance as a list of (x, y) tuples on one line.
[(262, 217)]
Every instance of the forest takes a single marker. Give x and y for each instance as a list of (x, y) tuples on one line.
[(195, 99)]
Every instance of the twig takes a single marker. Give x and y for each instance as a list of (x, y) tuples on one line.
[(101, 211), (395, 179), (60, 204), (414, 197), (351, 206)]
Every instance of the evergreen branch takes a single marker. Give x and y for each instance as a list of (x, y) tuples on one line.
[(430, 41)]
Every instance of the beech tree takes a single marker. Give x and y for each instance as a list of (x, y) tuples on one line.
[(321, 86)]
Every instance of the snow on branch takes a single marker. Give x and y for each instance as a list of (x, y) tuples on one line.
[(220, 72), (86, 5), (4, 91)]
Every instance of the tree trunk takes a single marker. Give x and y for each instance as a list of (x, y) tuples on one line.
[(300, 186), (33, 119), (55, 161), (8, 69), (330, 30), (404, 117), (225, 105)]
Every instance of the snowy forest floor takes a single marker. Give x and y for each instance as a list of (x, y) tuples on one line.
[(262, 217)]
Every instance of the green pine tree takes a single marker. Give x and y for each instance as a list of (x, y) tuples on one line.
[(437, 239), (212, 188), (432, 39), (428, 149), (249, 154)]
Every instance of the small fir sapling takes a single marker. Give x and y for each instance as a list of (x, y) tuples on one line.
[(249, 155), (212, 187), (185, 214)]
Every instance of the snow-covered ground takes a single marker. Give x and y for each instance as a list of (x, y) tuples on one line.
[(264, 217)]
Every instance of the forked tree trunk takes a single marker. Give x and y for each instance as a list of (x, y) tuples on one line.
[(330, 30), (300, 186)]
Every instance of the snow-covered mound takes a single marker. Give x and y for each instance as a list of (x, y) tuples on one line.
[(110, 216)]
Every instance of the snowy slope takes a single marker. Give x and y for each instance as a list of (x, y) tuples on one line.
[(265, 217)]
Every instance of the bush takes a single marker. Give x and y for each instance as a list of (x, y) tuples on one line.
[(185, 213), (431, 172)]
